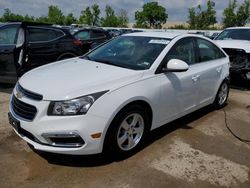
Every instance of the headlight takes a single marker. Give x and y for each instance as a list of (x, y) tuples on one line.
[(76, 106)]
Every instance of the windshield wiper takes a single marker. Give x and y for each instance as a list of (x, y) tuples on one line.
[(86, 57)]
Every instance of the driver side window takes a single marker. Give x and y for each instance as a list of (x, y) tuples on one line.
[(8, 35), (183, 50)]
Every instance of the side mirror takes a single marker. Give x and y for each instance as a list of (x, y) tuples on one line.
[(175, 65)]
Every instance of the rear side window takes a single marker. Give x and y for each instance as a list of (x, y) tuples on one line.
[(184, 50), (83, 35), (208, 51), (8, 35), (97, 34), (43, 35)]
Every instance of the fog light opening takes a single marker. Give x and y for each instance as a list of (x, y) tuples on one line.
[(71, 139)]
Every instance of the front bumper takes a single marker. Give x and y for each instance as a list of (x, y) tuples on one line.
[(36, 132), (243, 72)]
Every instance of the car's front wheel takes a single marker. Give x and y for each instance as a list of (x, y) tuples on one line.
[(222, 95), (127, 131)]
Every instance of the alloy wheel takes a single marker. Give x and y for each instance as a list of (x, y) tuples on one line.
[(130, 131), (222, 96)]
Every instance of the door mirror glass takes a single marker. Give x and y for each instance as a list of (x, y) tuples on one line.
[(175, 65)]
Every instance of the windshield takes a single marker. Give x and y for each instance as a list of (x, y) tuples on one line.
[(133, 52), (236, 34)]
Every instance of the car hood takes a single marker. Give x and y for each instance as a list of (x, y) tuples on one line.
[(236, 44), (76, 77)]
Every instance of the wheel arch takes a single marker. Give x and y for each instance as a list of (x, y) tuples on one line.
[(227, 80), (142, 102)]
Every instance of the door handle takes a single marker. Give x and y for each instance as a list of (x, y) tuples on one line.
[(195, 78), (218, 69)]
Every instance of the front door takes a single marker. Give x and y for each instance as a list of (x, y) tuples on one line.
[(179, 90), (42, 46), (11, 52)]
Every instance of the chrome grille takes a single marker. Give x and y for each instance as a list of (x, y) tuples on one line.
[(23, 110), (28, 94)]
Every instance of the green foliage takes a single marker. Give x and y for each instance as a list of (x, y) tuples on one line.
[(8, 16), (202, 19), (70, 19), (55, 15), (110, 20), (192, 19), (233, 17), (229, 15), (90, 15), (152, 16), (123, 18), (42, 19)]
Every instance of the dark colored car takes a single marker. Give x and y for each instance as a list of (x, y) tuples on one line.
[(92, 37), (114, 32), (24, 46)]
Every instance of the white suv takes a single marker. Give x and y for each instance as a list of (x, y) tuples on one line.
[(113, 96)]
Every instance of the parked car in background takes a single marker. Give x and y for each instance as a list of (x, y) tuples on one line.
[(117, 32), (236, 43), (118, 92), (114, 32), (214, 35), (92, 37), (24, 46)]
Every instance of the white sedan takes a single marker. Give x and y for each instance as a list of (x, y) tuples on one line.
[(109, 99)]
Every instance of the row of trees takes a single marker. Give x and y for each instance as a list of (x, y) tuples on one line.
[(152, 16), (89, 16), (233, 15)]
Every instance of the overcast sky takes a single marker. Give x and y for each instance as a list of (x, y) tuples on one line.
[(177, 9)]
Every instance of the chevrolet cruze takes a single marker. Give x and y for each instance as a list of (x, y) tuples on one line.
[(111, 98)]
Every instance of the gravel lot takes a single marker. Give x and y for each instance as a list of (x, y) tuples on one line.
[(194, 151)]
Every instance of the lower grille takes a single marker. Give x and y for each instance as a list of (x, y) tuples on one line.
[(23, 110)]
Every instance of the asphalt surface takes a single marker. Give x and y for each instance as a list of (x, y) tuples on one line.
[(195, 151)]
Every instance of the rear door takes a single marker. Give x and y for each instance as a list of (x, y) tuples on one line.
[(84, 36), (97, 37), (43, 46), (11, 46), (210, 62)]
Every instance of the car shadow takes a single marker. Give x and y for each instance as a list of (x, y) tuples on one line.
[(181, 123), (240, 84), (104, 159)]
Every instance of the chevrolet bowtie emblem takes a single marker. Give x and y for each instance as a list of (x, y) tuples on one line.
[(19, 95)]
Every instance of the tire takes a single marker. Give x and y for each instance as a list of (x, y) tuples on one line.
[(127, 132), (222, 95)]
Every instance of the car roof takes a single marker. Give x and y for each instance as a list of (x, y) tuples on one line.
[(35, 24), (91, 29), (237, 28), (168, 35), (25, 24)]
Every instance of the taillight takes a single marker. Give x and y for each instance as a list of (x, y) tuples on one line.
[(77, 42)]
